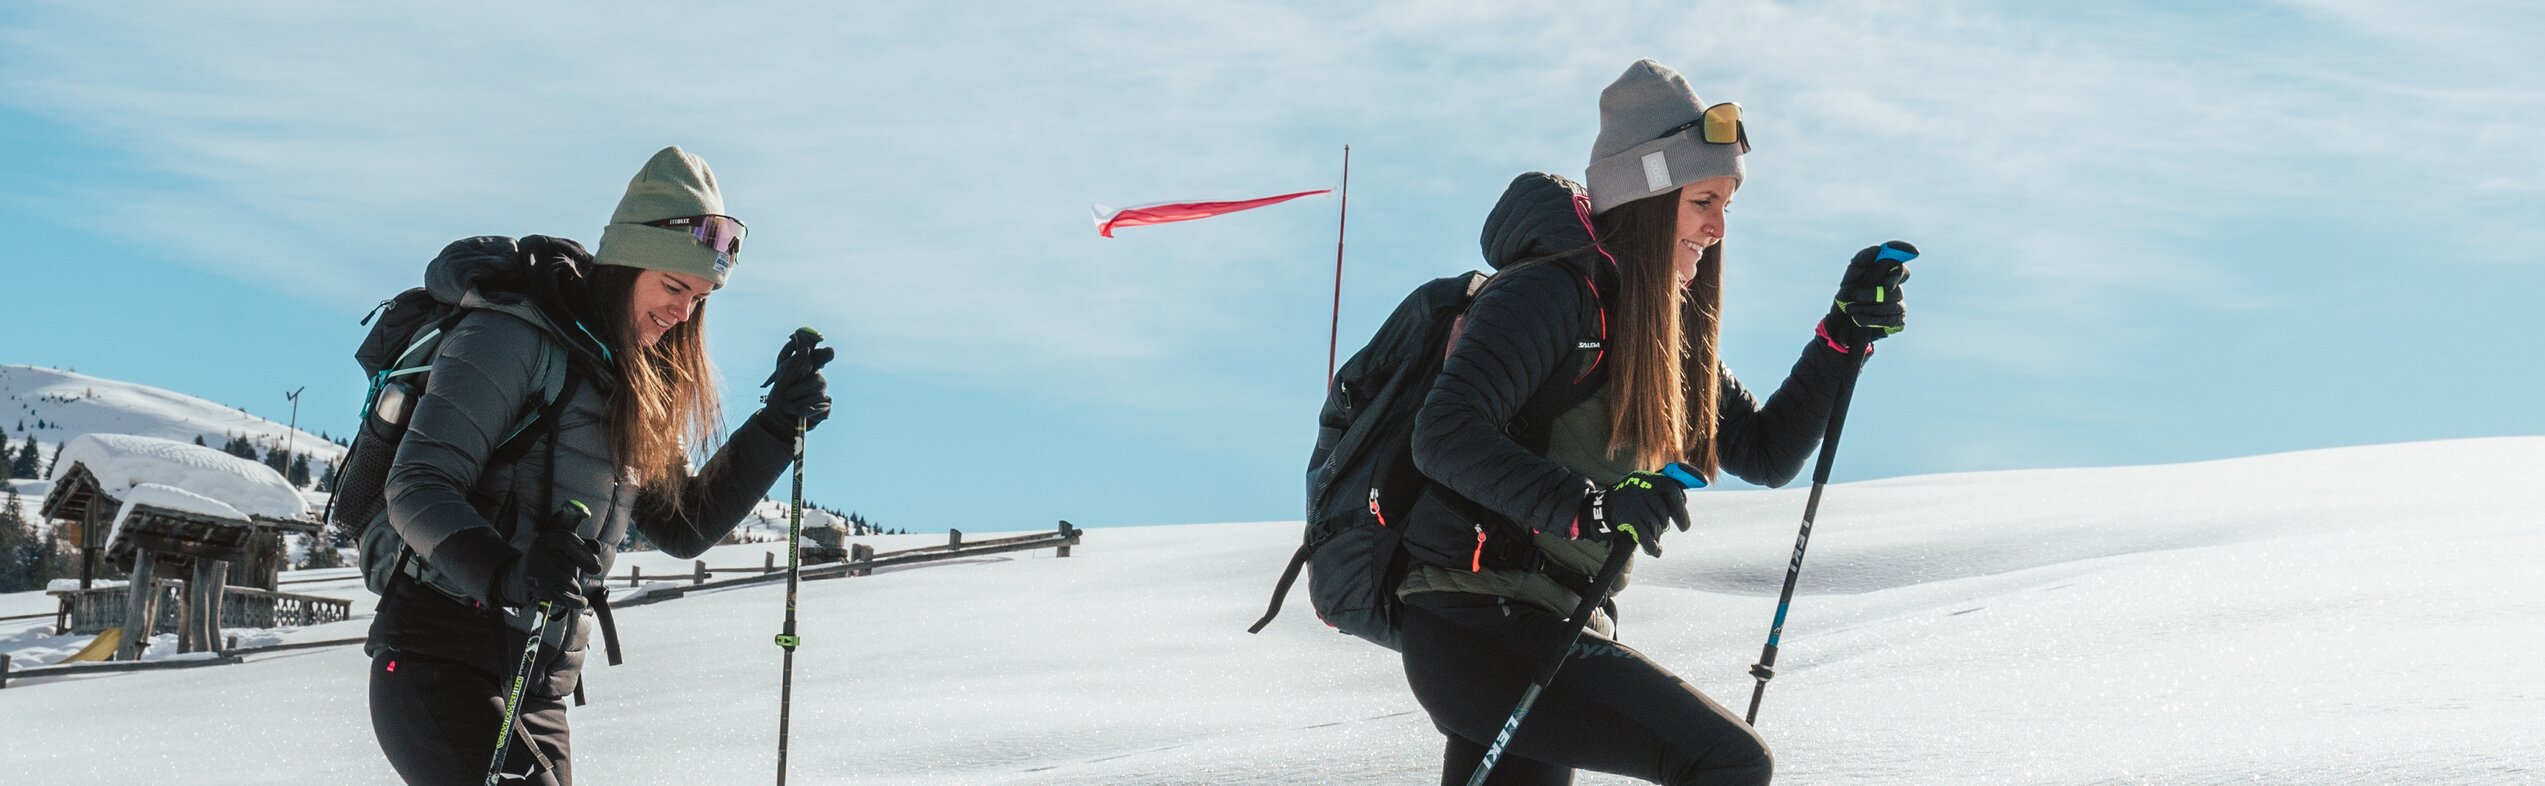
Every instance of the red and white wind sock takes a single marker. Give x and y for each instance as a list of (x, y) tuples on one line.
[(1170, 212)]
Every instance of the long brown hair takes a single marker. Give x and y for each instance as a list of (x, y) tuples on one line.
[(1662, 378), (666, 401)]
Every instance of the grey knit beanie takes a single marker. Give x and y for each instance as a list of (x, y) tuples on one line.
[(1637, 154), (674, 184)]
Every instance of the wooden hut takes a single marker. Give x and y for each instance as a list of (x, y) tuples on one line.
[(90, 481), (186, 522)]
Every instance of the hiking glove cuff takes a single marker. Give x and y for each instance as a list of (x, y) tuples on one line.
[(478, 560)]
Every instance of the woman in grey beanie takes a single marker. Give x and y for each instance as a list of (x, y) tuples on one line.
[(1581, 397), (489, 516)]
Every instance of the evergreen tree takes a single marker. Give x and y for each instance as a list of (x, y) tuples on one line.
[(57, 555), (299, 473), (198, 442), (276, 459), (28, 462), (13, 539), (56, 460), (322, 550), (326, 479)]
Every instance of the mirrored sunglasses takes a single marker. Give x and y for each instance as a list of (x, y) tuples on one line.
[(722, 233)]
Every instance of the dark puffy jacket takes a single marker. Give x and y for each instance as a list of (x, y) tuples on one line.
[(1516, 335), (444, 485)]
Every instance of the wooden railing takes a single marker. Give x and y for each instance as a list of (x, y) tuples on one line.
[(249, 607), (93, 610)]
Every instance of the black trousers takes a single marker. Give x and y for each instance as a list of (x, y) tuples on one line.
[(1468, 658), (437, 719)]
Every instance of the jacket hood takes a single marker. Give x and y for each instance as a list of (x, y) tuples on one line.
[(1539, 215), (496, 274)]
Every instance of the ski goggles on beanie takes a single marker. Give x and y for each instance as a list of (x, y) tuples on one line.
[(723, 234), (1721, 125)]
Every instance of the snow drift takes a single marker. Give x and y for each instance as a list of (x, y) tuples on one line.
[(2354, 616)]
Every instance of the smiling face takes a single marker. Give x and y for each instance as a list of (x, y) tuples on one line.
[(1700, 226), (662, 299)]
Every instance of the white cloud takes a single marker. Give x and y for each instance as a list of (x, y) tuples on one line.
[(916, 177)]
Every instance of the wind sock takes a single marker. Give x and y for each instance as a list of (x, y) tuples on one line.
[(1170, 212)]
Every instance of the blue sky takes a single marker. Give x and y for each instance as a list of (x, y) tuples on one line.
[(2154, 233)]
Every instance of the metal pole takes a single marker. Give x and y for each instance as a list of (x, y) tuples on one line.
[(794, 566), (1765, 669), (801, 342), (512, 696), (1335, 328), (294, 429)]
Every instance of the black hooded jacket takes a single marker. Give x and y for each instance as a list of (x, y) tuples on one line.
[(1516, 335)]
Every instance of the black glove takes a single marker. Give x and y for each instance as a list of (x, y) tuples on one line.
[(796, 387), (1636, 509), (1870, 306), (554, 567)]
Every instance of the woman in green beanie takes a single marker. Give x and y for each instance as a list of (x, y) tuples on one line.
[(496, 518), (1606, 297)]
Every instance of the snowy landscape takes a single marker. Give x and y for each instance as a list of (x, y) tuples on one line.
[(2365, 615)]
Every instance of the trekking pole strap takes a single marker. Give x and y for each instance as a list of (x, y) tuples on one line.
[(1281, 589), (609, 626)]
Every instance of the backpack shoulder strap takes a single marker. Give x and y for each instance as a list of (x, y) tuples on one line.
[(550, 386)]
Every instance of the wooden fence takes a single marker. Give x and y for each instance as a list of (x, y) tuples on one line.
[(93, 610)]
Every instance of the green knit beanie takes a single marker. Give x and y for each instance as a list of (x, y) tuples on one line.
[(674, 184)]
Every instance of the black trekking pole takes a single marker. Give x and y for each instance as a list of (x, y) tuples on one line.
[(512, 695), (802, 341), (521, 676), (1618, 554), (1765, 669)]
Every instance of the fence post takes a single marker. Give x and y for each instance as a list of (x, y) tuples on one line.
[(859, 555), (1071, 535), (700, 576), (4, 669), (954, 538), (768, 562), (633, 571)]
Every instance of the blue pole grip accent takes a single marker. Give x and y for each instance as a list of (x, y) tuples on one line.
[(1892, 253), (1686, 477)]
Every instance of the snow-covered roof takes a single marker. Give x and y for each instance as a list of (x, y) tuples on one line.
[(154, 495), (123, 462)]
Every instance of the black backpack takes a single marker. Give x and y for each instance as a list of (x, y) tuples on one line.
[(397, 357), (1361, 475)]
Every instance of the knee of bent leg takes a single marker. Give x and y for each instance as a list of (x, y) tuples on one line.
[(1749, 758), (1738, 760)]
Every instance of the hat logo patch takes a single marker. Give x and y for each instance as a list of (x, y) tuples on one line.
[(1656, 171)]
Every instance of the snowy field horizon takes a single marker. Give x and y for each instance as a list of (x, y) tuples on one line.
[(2364, 615)]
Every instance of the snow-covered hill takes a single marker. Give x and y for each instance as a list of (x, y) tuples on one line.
[(55, 406), (2355, 616)]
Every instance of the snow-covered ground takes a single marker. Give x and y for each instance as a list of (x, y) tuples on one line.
[(2354, 616)]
